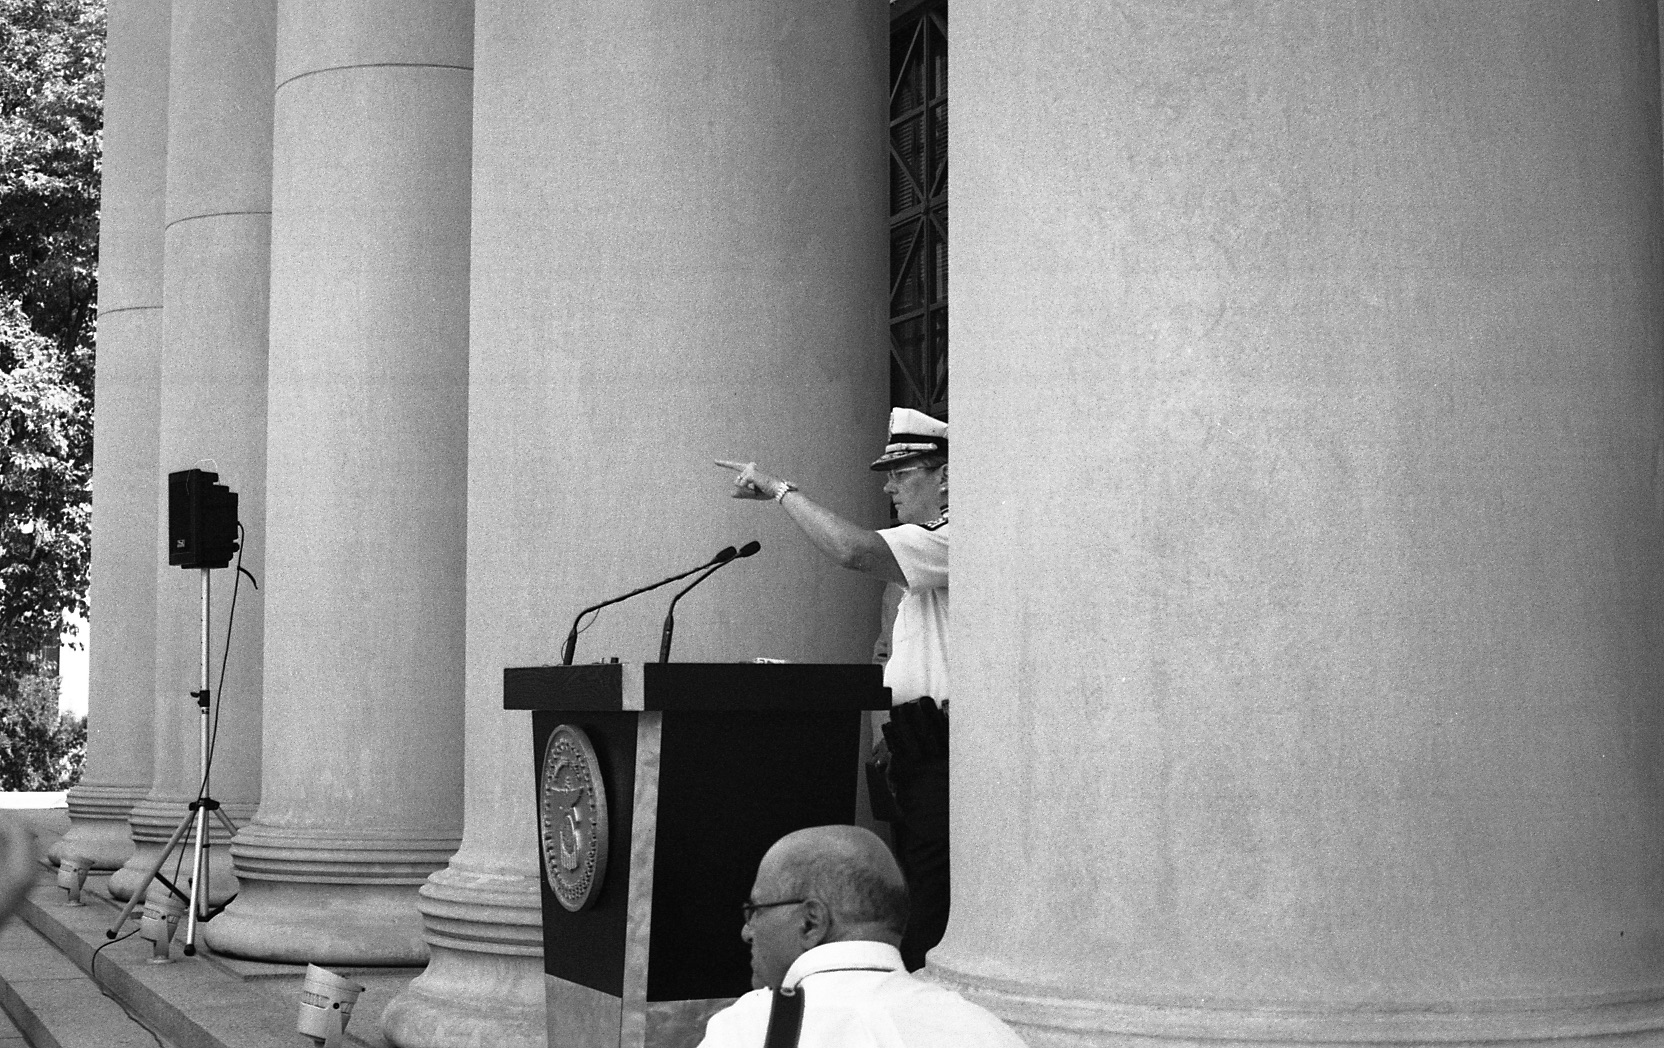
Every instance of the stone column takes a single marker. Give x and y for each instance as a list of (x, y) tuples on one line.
[(121, 693), (688, 267), (211, 409), (1309, 463), (368, 459)]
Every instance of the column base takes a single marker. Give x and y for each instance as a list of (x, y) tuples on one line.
[(325, 896), (484, 981), (1045, 1020), (152, 822), (325, 924), (98, 830)]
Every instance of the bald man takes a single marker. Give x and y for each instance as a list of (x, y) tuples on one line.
[(824, 923)]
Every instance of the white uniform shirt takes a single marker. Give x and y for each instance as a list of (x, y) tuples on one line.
[(844, 1008), (919, 641)]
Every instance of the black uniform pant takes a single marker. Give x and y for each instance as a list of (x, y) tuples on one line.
[(920, 832), (908, 780)]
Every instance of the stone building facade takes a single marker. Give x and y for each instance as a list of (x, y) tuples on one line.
[(1309, 446)]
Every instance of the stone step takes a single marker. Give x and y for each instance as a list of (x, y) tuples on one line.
[(54, 1004), (10, 1035), (205, 1001)]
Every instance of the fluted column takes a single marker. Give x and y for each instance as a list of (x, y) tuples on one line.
[(121, 692), (212, 408), (678, 255), (368, 453), (1309, 597)]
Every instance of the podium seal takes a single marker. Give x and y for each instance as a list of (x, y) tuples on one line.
[(572, 817)]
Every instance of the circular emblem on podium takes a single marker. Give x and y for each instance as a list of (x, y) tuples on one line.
[(572, 813)]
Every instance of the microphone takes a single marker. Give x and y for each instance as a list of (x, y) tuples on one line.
[(726, 554), (670, 616)]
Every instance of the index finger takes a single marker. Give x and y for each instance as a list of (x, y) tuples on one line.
[(737, 467)]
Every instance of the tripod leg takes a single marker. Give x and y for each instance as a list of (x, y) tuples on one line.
[(225, 820), (199, 882), (150, 875), (201, 909)]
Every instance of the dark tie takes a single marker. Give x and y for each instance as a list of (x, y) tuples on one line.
[(785, 1019)]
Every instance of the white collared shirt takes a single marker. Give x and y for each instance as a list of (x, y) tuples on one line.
[(919, 640), (858, 995)]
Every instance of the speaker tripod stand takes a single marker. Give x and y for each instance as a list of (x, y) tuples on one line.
[(196, 900)]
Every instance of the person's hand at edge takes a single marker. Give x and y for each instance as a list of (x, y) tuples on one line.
[(750, 482)]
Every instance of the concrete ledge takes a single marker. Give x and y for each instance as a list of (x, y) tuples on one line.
[(24, 1020), (204, 1001), (54, 1004)]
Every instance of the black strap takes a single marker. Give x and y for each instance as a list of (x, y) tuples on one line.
[(785, 1011), (785, 1019)]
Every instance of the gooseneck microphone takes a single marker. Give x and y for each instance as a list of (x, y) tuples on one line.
[(670, 616), (726, 554)]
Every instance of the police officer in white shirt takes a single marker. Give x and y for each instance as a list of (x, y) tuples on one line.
[(823, 921), (910, 789)]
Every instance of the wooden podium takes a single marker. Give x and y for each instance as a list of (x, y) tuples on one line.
[(698, 768)]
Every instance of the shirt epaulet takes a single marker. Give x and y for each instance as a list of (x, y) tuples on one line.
[(939, 522)]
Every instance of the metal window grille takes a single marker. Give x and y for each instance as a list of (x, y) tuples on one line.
[(919, 206)]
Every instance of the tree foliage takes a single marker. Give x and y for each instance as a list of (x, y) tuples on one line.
[(40, 748), (43, 482), (51, 122), (51, 116)]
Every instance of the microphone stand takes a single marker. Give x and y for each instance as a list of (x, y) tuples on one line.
[(670, 616), (723, 556)]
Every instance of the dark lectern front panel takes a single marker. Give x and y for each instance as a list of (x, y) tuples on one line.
[(730, 785), (746, 754), (587, 947)]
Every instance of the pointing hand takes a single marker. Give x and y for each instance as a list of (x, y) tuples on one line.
[(750, 482)]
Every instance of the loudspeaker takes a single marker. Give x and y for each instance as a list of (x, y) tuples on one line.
[(202, 520)]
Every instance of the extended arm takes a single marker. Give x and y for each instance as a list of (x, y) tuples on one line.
[(848, 545)]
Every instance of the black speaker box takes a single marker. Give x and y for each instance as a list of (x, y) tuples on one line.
[(202, 520)]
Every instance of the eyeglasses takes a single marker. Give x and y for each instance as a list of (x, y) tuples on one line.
[(895, 474), (749, 909)]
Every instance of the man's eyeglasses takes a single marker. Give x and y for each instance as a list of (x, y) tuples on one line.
[(895, 474), (749, 909)]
